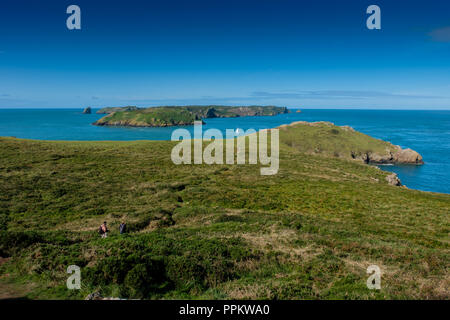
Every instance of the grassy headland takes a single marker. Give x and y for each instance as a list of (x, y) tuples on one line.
[(180, 115), (216, 231)]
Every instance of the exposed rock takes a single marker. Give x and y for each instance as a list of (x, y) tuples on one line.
[(348, 128), (407, 156), (98, 296), (94, 296), (371, 157), (211, 113), (393, 179), (402, 156), (87, 110)]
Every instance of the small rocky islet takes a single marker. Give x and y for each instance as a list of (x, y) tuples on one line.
[(87, 110)]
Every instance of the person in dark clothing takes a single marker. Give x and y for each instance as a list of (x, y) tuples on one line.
[(123, 228), (103, 230)]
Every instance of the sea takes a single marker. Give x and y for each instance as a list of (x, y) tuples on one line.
[(427, 132)]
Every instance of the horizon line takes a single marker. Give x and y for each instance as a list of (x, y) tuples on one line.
[(204, 105)]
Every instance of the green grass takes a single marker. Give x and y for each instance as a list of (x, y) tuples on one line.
[(215, 231)]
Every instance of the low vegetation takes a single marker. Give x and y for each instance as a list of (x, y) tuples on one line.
[(215, 231)]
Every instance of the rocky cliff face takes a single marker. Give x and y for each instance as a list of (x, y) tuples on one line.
[(87, 110), (407, 156), (393, 180), (401, 156)]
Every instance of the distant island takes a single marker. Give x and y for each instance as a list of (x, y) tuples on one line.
[(178, 115)]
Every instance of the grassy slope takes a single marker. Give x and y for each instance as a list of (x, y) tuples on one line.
[(222, 231)]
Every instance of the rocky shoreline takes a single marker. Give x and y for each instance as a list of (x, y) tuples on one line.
[(402, 156)]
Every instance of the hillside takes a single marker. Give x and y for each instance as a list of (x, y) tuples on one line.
[(215, 231), (182, 115)]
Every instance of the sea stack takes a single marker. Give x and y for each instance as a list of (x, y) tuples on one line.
[(87, 110)]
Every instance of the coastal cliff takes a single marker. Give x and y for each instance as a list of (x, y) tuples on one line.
[(180, 115)]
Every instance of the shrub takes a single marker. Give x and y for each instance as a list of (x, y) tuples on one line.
[(12, 242), (230, 218), (4, 219)]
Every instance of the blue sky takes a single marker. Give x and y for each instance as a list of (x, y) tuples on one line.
[(307, 54)]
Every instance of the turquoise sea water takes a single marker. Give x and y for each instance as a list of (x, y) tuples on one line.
[(427, 132)]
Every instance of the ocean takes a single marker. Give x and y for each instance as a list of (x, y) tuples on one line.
[(427, 132)]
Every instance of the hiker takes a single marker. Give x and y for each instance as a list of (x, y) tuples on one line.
[(103, 230), (123, 228)]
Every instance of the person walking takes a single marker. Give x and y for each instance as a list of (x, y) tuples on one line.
[(103, 230), (123, 227)]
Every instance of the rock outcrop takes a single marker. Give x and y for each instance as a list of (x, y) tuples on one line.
[(407, 156), (401, 156), (98, 296), (87, 110), (94, 296), (393, 179), (348, 128)]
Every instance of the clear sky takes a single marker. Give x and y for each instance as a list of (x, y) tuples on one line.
[(308, 54)]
